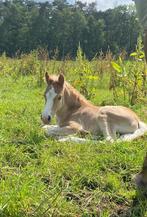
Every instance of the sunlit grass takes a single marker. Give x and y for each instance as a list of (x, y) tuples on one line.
[(42, 177)]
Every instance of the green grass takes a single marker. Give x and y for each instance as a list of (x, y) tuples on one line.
[(42, 177)]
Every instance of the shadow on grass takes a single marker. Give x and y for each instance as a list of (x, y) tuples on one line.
[(139, 205)]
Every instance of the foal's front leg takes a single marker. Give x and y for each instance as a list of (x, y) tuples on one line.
[(49, 129), (70, 129)]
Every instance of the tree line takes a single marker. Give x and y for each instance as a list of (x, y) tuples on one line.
[(59, 27)]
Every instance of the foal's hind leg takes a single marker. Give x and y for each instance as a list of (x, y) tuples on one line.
[(108, 132)]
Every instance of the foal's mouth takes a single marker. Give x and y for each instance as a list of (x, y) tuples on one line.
[(46, 120)]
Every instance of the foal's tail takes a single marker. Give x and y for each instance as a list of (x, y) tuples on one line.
[(138, 133)]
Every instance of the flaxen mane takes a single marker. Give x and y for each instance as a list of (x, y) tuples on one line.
[(75, 96)]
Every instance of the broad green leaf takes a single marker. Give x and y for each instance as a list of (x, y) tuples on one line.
[(133, 54), (141, 56), (116, 66)]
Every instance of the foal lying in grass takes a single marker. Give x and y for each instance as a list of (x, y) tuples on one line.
[(75, 114)]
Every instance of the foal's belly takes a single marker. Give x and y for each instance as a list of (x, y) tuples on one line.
[(119, 119), (88, 119)]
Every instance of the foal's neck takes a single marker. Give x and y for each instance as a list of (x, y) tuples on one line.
[(73, 99)]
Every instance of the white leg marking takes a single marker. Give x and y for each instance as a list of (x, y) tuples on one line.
[(126, 137), (137, 133), (109, 139), (50, 130), (74, 139)]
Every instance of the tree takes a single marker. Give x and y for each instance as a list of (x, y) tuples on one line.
[(27, 25)]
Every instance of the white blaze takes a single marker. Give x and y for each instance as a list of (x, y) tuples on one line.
[(50, 95)]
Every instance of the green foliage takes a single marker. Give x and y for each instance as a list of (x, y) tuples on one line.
[(129, 79), (138, 54), (85, 76), (41, 177), (29, 25), (34, 63)]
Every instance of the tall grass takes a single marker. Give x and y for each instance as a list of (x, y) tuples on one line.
[(41, 177)]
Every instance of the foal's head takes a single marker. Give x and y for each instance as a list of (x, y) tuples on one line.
[(53, 97)]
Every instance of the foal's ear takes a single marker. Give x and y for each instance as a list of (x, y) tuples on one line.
[(61, 79), (47, 78)]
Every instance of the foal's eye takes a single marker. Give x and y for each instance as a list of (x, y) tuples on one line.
[(59, 97)]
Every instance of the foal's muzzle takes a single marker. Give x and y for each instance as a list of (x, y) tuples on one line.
[(46, 120)]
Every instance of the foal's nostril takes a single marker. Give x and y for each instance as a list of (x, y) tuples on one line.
[(49, 118)]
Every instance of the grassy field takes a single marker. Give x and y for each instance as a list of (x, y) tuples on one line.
[(42, 177)]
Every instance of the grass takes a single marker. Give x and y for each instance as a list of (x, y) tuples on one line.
[(42, 177)]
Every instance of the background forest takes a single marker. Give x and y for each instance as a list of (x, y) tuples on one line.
[(59, 27)]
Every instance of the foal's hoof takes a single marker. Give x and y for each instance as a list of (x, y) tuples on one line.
[(109, 139), (126, 137), (50, 130)]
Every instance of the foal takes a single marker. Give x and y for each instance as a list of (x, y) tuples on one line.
[(75, 114)]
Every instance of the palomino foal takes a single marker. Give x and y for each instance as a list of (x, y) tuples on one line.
[(75, 114)]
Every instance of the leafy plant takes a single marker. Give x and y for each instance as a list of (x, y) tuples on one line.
[(128, 78), (85, 76)]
